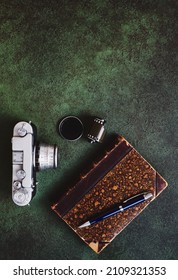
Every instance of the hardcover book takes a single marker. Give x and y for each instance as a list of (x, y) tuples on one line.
[(120, 173)]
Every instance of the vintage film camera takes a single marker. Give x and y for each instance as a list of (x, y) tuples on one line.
[(28, 157)]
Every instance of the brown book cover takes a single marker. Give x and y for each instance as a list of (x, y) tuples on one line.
[(116, 176)]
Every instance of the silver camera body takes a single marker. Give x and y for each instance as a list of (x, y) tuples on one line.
[(27, 158)]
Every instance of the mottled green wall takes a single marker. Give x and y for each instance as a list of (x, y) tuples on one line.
[(114, 59)]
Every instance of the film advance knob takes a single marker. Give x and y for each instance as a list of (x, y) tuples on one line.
[(22, 131)]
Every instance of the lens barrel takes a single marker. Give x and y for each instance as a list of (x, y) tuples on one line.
[(46, 157)]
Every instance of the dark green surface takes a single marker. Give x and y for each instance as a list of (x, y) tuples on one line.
[(114, 59)]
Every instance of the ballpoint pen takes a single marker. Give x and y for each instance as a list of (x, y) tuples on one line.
[(130, 202)]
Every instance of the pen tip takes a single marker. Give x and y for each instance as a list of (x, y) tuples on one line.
[(85, 225), (148, 195)]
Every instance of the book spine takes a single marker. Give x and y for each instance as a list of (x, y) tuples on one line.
[(89, 179)]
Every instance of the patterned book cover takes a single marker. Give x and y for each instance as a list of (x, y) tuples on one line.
[(116, 176)]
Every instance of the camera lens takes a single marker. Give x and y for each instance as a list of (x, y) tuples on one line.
[(46, 157)]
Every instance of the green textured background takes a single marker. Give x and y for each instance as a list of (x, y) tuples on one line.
[(114, 59)]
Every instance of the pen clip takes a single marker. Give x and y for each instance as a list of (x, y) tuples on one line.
[(134, 196)]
